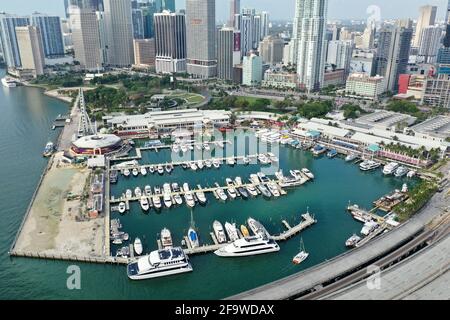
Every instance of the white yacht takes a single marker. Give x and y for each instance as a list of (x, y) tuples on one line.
[(166, 238), (148, 191), (232, 231), (248, 247), (160, 170), (135, 172), (126, 172), (208, 163), (156, 202), (231, 189), (390, 168), (369, 165), (200, 164), (273, 189), (351, 157), (188, 196), (216, 163), (352, 241), (263, 159), (9, 82), (144, 203), (200, 195), (238, 181), (137, 245), (257, 228), (159, 263), (220, 193), (251, 190), (219, 232), (177, 197), (308, 173), (138, 192), (401, 171), (369, 227), (143, 171), (193, 166), (122, 207), (167, 198)]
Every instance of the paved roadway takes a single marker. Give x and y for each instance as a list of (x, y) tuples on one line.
[(295, 284), (422, 276)]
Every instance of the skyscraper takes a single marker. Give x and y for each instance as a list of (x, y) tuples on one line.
[(271, 50), (51, 34), (201, 38), (252, 70), (147, 12), (30, 48), (430, 43), (235, 8), (144, 52), (170, 42), (119, 25), (225, 45), (393, 54), (311, 47), (86, 38), (427, 18), (246, 27), (97, 5), (138, 23), (8, 24), (340, 54), (264, 24), (256, 29)]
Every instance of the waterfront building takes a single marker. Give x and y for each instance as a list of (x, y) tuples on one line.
[(51, 34), (144, 53), (252, 70), (427, 18), (201, 38), (393, 54), (138, 23), (166, 121), (271, 50), (99, 144), (10, 49), (430, 43), (362, 85), (340, 54), (119, 26), (386, 120), (363, 61), (437, 128), (235, 9), (86, 38), (31, 51), (278, 79), (311, 46), (170, 42)]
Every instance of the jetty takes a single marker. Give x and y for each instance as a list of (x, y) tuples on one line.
[(308, 220)]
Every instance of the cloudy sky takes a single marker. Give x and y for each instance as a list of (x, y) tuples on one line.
[(278, 9)]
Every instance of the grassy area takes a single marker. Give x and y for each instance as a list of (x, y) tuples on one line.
[(190, 98), (418, 197)]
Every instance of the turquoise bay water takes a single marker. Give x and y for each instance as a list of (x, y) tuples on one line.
[(26, 119)]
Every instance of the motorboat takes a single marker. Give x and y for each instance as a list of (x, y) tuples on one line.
[(238, 181), (318, 150), (302, 255), (193, 238), (231, 190), (156, 201), (177, 197), (143, 171), (231, 230), (200, 164), (263, 178), (308, 173), (144, 203), (231, 161), (257, 228), (216, 163), (263, 189), (200, 195), (152, 169), (122, 207), (169, 168), (411, 174), (369, 227), (244, 231), (273, 189), (49, 149), (167, 195), (220, 193), (251, 190), (246, 160), (248, 246), (184, 148), (208, 163), (272, 157), (126, 172), (138, 192), (159, 263), (113, 176), (368, 165), (193, 166), (351, 157), (176, 148), (188, 196), (128, 194), (160, 170), (352, 241), (390, 168), (185, 165), (405, 188), (148, 191), (8, 82), (262, 158), (137, 245), (135, 172), (401, 171), (166, 238), (243, 192), (332, 153), (219, 232)]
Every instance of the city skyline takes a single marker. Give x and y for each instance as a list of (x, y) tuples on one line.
[(338, 9)]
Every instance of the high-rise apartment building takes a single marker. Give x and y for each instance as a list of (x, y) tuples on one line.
[(144, 52), (201, 38), (51, 34), (31, 51), (235, 9), (8, 40), (271, 50), (427, 17)]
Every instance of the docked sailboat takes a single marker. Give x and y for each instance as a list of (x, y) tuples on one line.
[(219, 232), (302, 255), (166, 238), (159, 263), (248, 246), (232, 231), (137, 245)]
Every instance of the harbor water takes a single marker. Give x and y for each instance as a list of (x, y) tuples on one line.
[(26, 122)]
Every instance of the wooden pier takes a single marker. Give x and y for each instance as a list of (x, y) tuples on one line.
[(292, 231)]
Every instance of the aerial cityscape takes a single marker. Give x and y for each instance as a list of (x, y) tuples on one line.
[(203, 149)]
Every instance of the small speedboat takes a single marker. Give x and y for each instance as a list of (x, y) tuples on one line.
[(152, 169), (231, 189), (156, 202), (308, 173), (169, 168), (219, 232), (243, 192), (216, 163), (208, 163), (166, 238), (144, 203), (135, 172), (122, 207), (137, 245), (126, 172), (185, 165), (128, 194), (332, 153), (143, 171), (244, 231), (200, 164), (351, 157), (148, 191), (252, 190), (138, 192), (246, 160), (200, 195), (194, 166), (160, 169), (177, 196), (230, 161)]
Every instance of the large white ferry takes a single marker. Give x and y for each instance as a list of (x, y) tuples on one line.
[(248, 247), (369, 165), (159, 263), (9, 82)]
